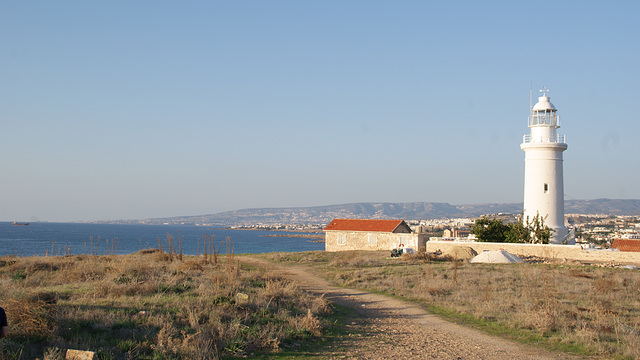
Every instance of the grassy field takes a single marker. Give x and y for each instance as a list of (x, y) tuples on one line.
[(151, 306), (582, 309), (155, 306)]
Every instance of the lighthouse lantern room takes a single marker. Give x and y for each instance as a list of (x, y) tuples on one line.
[(543, 175)]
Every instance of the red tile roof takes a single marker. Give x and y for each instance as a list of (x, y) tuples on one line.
[(364, 225), (626, 244)]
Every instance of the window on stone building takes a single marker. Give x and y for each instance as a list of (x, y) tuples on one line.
[(372, 240), (342, 239)]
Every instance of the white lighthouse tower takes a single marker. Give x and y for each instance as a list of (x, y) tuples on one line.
[(543, 179)]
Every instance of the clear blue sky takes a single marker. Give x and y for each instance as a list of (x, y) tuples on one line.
[(138, 109)]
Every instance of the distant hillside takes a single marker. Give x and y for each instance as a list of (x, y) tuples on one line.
[(603, 206), (409, 211)]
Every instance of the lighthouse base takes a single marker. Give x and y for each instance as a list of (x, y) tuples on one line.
[(562, 236)]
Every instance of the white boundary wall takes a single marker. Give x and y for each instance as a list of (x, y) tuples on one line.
[(559, 252)]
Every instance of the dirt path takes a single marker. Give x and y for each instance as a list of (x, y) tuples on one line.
[(382, 327)]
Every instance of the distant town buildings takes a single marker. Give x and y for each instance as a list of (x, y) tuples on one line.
[(603, 229), (456, 233), (593, 230), (599, 231)]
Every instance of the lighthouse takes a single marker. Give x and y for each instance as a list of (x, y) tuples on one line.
[(543, 178)]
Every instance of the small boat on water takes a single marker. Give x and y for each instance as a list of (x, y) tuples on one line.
[(19, 223)]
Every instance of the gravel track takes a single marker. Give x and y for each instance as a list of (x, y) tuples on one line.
[(383, 327)]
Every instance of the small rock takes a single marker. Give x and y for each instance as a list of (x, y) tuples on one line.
[(242, 298), (80, 355)]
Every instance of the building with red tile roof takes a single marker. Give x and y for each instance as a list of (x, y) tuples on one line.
[(394, 226), (371, 234)]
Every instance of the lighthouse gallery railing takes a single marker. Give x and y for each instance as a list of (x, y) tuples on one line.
[(530, 139)]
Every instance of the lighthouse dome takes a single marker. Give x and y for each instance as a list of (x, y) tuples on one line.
[(544, 104)]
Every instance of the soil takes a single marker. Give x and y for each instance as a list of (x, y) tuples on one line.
[(382, 327)]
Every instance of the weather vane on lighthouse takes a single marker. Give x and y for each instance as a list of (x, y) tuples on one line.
[(544, 91)]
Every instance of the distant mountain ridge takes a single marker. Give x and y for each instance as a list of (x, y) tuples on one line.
[(408, 211)]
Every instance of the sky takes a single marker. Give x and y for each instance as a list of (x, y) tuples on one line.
[(131, 110)]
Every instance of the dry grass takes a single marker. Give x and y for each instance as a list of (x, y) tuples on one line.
[(589, 310), (145, 306), (150, 306)]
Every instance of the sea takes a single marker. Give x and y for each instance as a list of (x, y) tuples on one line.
[(44, 238)]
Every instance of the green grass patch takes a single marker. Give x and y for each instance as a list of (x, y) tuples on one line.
[(314, 347)]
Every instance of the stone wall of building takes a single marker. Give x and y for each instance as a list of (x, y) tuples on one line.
[(361, 240), (559, 252)]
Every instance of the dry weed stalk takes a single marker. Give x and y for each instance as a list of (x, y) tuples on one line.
[(212, 249), (208, 244), (205, 245), (456, 263), (160, 249), (179, 246), (171, 250)]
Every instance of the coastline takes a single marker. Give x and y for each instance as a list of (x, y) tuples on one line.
[(318, 237)]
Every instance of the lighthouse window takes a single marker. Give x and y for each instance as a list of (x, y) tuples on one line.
[(546, 188)]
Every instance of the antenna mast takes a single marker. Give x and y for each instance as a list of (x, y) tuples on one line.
[(531, 97)]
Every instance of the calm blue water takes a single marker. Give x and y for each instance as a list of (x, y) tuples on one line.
[(56, 238)]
